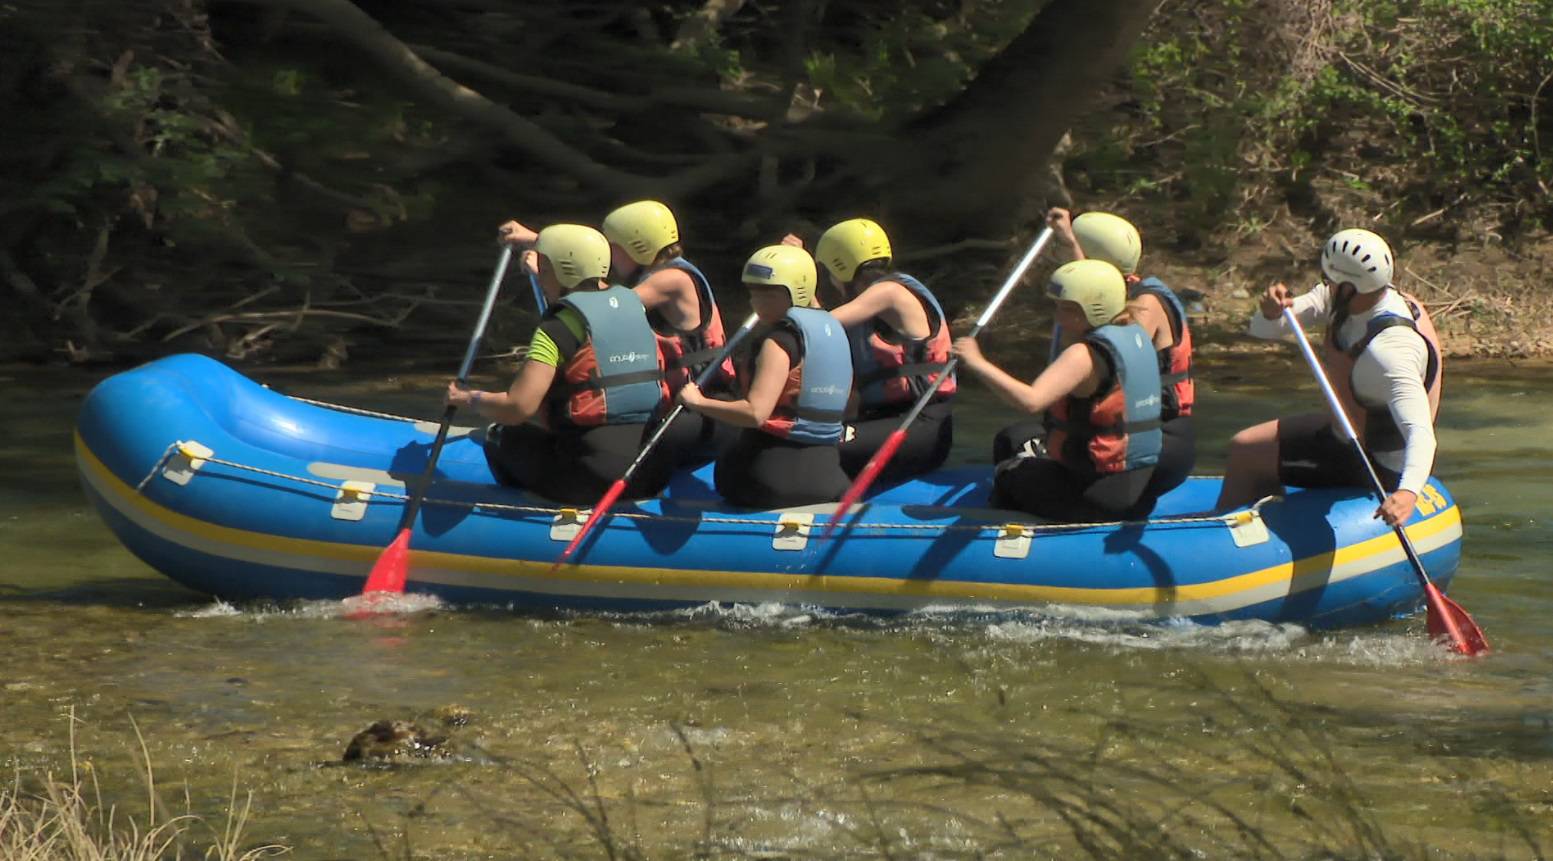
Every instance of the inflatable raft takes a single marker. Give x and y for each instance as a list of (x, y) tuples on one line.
[(239, 491)]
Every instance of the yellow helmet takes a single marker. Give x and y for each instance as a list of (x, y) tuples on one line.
[(575, 252), (643, 229), (784, 266), (1111, 238), (850, 244), (1095, 285)]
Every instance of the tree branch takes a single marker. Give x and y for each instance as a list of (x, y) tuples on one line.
[(438, 90)]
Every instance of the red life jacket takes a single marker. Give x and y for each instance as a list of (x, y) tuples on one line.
[(627, 387), (1118, 429), (1373, 423), (1175, 361), (686, 354), (892, 371)]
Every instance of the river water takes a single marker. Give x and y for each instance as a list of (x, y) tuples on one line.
[(778, 732)]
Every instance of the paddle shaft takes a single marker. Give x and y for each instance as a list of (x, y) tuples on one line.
[(981, 323), (892, 444), (1431, 592), (706, 374), (421, 484), (539, 292)]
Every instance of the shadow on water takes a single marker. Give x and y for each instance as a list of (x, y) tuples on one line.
[(151, 595)]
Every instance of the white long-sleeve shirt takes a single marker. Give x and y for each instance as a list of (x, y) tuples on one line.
[(1390, 373)]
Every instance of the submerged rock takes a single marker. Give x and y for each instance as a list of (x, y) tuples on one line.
[(396, 739)]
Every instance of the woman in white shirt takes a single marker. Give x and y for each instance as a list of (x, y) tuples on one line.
[(1382, 356)]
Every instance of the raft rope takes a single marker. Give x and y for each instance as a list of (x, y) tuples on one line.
[(361, 412), (1232, 519)]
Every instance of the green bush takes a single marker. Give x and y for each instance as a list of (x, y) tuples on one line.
[(1437, 102)]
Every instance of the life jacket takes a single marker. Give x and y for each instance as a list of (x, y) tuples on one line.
[(890, 372), (686, 354), (1118, 429), (1175, 361), (616, 376), (814, 399), (1373, 423)]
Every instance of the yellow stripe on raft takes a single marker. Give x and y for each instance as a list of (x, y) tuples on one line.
[(1300, 575)]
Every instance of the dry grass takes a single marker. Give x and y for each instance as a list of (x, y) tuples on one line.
[(47, 817)]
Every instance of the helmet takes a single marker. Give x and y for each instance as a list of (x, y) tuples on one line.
[(1111, 238), (850, 244), (643, 229), (1358, 257), (1095, 285), (784, 266), (577, 253)]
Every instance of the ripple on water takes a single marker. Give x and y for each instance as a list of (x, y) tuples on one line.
[(383, 604), (1115, 630)]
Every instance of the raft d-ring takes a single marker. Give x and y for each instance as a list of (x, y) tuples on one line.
[(350, 501), (1246, 528), (792, 531), (567, 523), (188, 457), (1013, 541)]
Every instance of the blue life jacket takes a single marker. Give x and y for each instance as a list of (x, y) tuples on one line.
[(892, 373), (616, 377), (1120, 429), (1175, 361), (814, 399)]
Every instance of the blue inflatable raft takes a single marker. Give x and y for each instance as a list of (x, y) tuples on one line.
[(242, 492)]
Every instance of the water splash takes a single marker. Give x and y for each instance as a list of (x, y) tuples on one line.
[(382, 604)]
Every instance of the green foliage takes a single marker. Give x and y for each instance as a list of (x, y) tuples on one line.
[(881, 61), (1430, 101)]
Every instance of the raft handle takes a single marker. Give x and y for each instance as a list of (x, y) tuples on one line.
[(567, 523), (1013, 541), (792, 531), (350, 501), (188, 457)]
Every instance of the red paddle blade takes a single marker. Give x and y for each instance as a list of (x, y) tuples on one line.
[(860, 485), (392, 566), (599, 510), (1447, 619)]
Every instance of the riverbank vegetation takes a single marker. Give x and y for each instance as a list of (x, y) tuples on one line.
[(290, 179), (49, 817)]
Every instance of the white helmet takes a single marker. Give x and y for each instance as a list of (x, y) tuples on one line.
[(1357, 257)]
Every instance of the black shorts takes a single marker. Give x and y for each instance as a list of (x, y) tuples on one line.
[(577, 465), (763, 471), (926, 447), (1312, 453)]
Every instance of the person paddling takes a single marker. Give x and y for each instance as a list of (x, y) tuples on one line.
[(647, 256), (795, 395), (592, 378), (1383, 357), (899, 338), (1155, 307), (1101, 396)]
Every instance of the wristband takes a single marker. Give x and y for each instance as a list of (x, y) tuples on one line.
[(474, 399)]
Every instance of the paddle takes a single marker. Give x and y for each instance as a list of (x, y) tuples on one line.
[(393, 564), (892, 443), (1446, 617), (606, 501), (539, 292)]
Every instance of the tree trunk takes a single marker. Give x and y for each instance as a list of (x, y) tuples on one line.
[(987, 149)]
